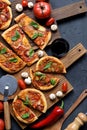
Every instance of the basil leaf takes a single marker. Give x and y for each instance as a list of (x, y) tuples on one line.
[(16, 36), (3, 51), (38, 73), (42, 76), (40, 34), (36, 35), (26, 115), (26, 102), (48, 65), (13, 60), (52, 81), (31, 52), (34, 24)]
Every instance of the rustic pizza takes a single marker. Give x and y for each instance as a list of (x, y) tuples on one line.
[(22, 112), (43, 81), (37, 33), (5, 14), (50, 64), (16, 38), (25, 102), (9, 61), (33, 98)]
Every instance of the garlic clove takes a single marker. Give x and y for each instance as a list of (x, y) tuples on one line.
[(19, 7), (52, 96), (24, 74), (30, 5), (28, 81)]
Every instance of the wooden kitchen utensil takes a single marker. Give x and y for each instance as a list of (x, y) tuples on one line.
[(78, 122), (60, 122)]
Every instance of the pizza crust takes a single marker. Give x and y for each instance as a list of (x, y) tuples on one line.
[(6, 1)]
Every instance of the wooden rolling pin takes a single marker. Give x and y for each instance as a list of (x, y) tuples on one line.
[(78, 122)]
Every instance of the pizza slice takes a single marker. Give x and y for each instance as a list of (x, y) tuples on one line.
[(9, 61), (22, 112), (34, 98), (5, 14), (16, 38), (43, 81), (37, 33), (50, 64)]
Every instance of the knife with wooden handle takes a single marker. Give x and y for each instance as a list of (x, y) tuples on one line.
[(6, 109)]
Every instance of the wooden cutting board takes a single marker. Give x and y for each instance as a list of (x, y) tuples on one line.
[(73, 55)]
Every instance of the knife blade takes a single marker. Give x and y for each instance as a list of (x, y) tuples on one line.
[(6, 109)]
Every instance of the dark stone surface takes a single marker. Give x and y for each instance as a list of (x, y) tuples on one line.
[(74, 31)]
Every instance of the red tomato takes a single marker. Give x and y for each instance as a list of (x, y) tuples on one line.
[(1, 106), (64, 87), (2, 124), (42, 10), (24, 3), (50, 21), (21, 84)]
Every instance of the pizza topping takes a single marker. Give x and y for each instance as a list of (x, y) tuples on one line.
[(35, 35), (53, 81), (48, 65), (13, 60), (27, 101), (16, 36), (3, 51), (25, 115), (34, 24), (2, 5)]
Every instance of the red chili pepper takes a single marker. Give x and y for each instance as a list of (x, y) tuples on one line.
[(56, 113)]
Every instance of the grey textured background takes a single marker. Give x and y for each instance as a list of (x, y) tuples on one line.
[(74, 31)]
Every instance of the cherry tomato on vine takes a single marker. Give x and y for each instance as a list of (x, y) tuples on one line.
[(24, 3), (50, 21), (64, 87), (2, 124), (1, 106), (21, 84)]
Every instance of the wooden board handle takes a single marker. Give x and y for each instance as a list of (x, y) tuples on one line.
[(69, 10), (7, 116), (73, 55)]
